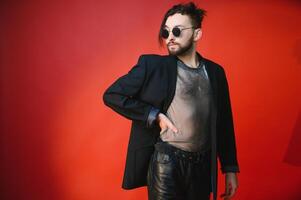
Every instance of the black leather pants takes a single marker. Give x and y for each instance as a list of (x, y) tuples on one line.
[(178, 175)]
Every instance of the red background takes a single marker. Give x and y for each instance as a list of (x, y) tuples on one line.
[(59, 141)]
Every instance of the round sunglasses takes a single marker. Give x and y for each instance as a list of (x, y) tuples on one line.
[(176, 31)]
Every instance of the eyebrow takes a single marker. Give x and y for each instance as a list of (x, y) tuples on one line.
[(165, 26)]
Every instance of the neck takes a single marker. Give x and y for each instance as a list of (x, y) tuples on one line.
[(190, 59)]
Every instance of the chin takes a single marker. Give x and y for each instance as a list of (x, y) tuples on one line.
[(172, 52)]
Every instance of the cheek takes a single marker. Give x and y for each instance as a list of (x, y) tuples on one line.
[(185, 39)]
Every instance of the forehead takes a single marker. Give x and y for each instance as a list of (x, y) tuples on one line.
[(177, 20)]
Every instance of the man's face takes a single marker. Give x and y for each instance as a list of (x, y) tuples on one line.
[(183, 44)]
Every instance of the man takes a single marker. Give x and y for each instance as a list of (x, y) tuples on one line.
[(181, 116)]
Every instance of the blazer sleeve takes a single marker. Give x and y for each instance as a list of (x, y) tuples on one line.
[(226, 145), (121, 96)]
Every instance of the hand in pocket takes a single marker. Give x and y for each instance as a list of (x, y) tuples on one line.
[(165, 124)]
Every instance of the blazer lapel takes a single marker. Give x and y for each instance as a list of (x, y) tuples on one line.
[(213, 82), (212, 77), (171, 66)]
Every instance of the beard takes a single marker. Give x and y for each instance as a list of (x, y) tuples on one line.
[(182, 50)]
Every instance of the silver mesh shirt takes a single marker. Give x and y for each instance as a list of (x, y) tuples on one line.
[(189, 110)]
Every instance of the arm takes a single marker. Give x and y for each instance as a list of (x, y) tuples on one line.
[(226, 146), (121, 96), (226, 141)]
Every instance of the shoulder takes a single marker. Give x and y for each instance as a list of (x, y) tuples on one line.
[(152, 57), (153, 61), (215, 67), (213, 64)]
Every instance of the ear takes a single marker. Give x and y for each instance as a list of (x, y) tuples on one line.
[(198, 34)]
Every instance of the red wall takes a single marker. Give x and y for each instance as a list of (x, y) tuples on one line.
[(59, 141)]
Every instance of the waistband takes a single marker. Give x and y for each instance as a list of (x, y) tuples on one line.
[(165, 147)]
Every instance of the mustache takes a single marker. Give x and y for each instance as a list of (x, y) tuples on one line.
[(171, 43)]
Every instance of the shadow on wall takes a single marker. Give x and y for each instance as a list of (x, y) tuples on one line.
[(292, 154), (297, 51)]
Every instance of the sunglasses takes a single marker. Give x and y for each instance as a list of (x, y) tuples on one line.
[(176, 31)]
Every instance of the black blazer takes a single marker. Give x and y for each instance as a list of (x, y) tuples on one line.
[(151, 84)]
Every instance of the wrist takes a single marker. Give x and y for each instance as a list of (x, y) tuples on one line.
[(158, 118), (152, 117)]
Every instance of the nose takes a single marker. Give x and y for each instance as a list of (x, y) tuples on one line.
[(170, 38)]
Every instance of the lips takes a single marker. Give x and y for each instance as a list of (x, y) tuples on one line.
[(172, 44)]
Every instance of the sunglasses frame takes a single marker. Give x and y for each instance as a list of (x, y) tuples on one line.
[(174, 31)]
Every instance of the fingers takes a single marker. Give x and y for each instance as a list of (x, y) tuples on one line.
[(233, 190), (226, 194), (172, 127), (231, 186), (162, 131), (165, 124), (165, 129), (229, 193)]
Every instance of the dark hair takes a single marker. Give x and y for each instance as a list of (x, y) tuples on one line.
[(196, 15)]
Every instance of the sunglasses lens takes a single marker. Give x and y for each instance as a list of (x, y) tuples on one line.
[(165, 33), (176, 31)]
